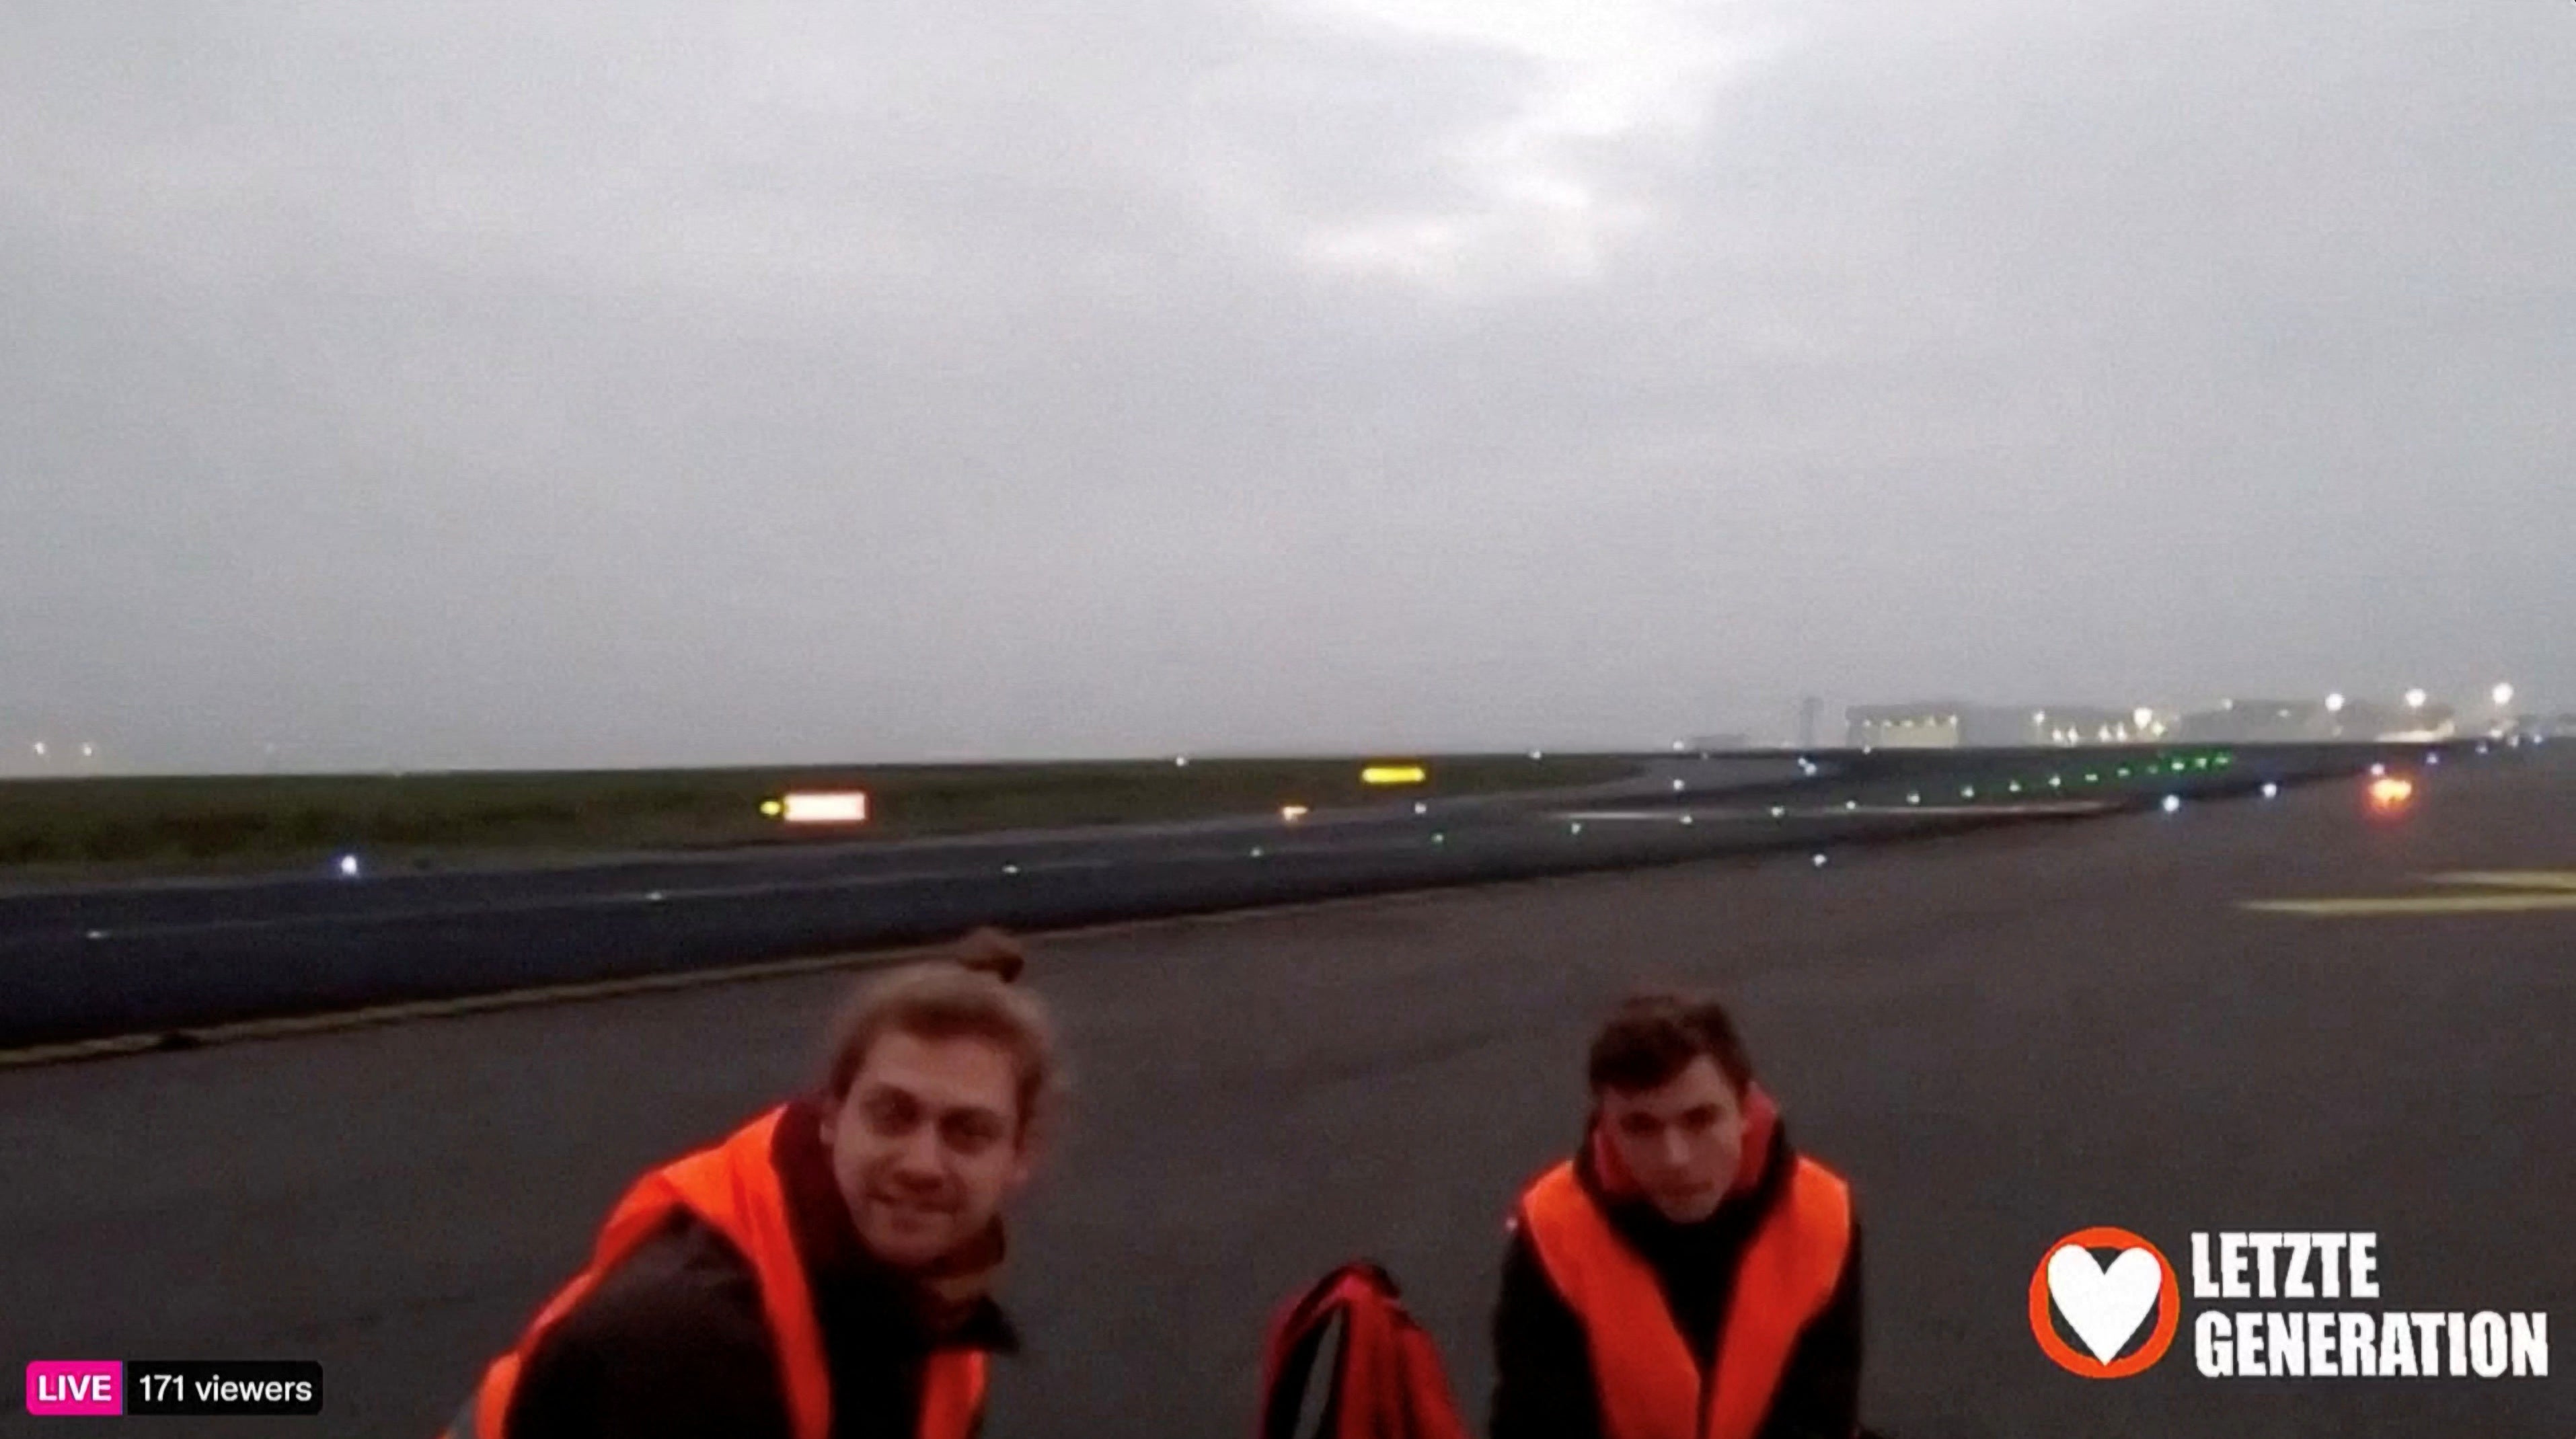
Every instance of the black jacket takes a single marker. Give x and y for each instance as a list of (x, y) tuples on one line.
[(672, 1343), (1543, 1382)]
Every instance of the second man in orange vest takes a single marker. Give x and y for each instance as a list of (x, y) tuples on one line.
[(1686, 1274)]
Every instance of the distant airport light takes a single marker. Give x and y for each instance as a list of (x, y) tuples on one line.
[(1382, 774), (1820, 861), (1914, 796), (1420, 808), (2334, 704), (2415, 699), (2390, 791), (821, 807), (348, 866), (1677, 786), (1180, 761), (2271, 790), (2503, 695), (1577, 827), (2143, 716), (772, 808), (1538, 754), (2173, 802), (2378, 770), (1292, 812)]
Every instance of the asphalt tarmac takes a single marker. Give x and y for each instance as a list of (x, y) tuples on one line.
[(126, 966), (1999, 1037)]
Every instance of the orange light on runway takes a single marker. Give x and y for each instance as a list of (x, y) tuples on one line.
[(1292, 812), (1394, 774), (2390, 792)]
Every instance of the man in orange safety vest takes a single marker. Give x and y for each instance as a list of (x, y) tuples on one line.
[(823, 1272), (1686, 1274)]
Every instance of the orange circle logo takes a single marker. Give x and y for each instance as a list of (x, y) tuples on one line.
[(2104, 1307)]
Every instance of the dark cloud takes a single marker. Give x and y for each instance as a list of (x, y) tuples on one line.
[(656, 384)]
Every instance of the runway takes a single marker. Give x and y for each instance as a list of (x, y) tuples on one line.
[(2000, 1037), (128, 965)]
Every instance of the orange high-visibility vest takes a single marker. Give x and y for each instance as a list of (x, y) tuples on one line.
[(733, 1188), (1651, 1386)]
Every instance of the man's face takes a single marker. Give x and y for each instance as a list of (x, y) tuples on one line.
[(927, 1144), (1682, 1141)]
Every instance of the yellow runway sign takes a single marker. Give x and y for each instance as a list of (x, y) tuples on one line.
[(2509, 891)]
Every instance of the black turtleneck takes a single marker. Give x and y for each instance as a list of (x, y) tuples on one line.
[(673, 1343)]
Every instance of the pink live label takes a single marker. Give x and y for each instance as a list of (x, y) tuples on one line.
[(76, 1386)]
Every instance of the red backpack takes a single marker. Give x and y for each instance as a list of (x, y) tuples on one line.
[(1385, 1380)]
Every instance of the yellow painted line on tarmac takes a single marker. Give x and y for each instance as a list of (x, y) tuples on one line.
[(2558, 879), (2451, 904), (2517, 891)]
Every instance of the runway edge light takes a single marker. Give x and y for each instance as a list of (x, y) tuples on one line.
[(1384, 774), (819, 807)]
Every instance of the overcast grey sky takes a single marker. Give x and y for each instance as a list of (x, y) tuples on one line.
[(605, 383)]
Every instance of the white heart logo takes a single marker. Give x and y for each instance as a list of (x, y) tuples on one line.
[(2105, 1306)]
